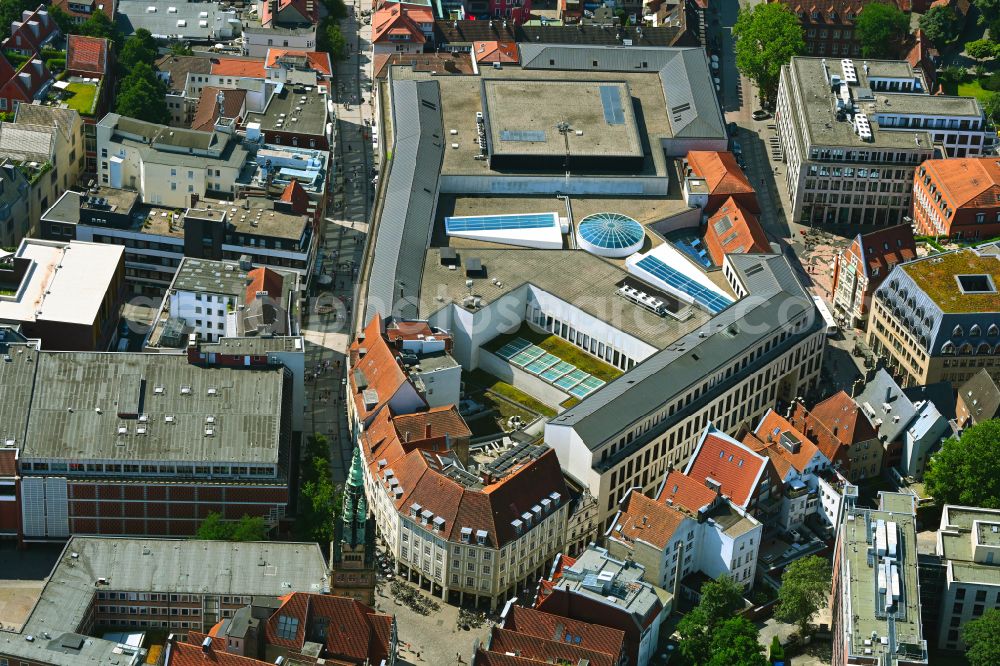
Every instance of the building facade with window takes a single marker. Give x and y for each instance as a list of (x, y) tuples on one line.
[(938, 318), (828, 26), (958, 198), (863, 265), (852, 134)]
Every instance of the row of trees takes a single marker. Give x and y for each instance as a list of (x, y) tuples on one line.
[(247, 528), (319, 499)]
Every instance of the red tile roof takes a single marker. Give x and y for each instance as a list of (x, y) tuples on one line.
[(817, 432), (319, 62), (439, 63), (32, 31), (490, 52), (878, 251), (28, 80), (736, 467), (266, 280), (378, 366), (86, 56), (842, 417), (400, 20), (191, 654), (108, 7), (972, 182), (685, 491), (238, 67), (233, 106), (644, 519), (307, 9), (546, 626), (435, 422), (734, 230), (922, 54), (544, 650), (766, 439), (296, 197), (720, 171), (355, 633)]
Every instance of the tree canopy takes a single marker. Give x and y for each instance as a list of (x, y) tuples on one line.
[(941, 25), (734, 643), (980, 635), (247, 528), (98, 25), (967, 470), (319, 499), (142, 95), (981, 49), (720, 600), (140, 47), (767, 37), (805, 587), (180, 49), (10, 10), (330, 39), (881, 29)]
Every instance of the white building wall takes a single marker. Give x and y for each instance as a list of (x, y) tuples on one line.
[(206, 312)]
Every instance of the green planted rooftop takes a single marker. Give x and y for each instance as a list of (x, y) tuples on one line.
[(938, 276), (82, 97)]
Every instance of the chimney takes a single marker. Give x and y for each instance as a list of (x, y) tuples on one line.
[(888, 394), (206, 645), (406, 437), (427, 431)]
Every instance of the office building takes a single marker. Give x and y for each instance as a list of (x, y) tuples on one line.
[(876, 595), (146, 444), (853, 133), (938, 318), (863, 265), (68, 295), (171, 585), (957, 198)]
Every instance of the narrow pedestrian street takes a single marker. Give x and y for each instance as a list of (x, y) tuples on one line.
[(326, 323)]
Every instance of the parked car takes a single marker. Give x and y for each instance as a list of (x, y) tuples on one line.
[(761, 114)]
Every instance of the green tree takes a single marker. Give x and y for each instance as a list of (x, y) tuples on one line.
[(142, 95), (805, 588), (980, 635), (247, 528), (776, 653), (180, 49), (881, 29), (62, 19), (98, 25), (319, 499), (767, 37), (734, 643), (967, 470), (988, 10), (981, 49), (331, 40), (941, 25), (11, 10), (991, 106), (720, 600), (140, 47)]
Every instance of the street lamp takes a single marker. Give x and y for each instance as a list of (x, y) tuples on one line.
[(564, 129)]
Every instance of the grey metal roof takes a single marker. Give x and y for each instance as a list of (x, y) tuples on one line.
[(133, 14), (408, 207), (16, 383), (883, 391), (31, 143), (775, 295), (981, 396), (684, 74), (70, 388), (151, 565), (66, 209)]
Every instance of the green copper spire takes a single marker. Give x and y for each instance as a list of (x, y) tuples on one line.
[(356, 476)]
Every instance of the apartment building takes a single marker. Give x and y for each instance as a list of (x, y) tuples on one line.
[(165, 165), (147, 444), (876, 594), (15, 194), (863, 265), (938, 318), (478, 529), (958, 198), (844, 433), (173, 585), (257, 41), (627, 434), (978, 400), (853, 134), (88, 62), (264, 232), (600, 589), (910, 430), (680, 547), (959, 581), (68, 295)]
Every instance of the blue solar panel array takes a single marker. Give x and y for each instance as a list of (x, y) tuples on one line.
[(612, 102), (710, 299), (499, 222), (611, 230)]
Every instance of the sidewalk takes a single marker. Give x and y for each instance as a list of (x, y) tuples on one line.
[(342, 242)]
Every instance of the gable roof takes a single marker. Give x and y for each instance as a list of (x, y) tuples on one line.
[(817, 432), (29, 78), (250, 68), (878, 251), (233, 106), (842, 416), (354, 633), (377, 367), (192, 654), (981, 396), (307, 9), (33, 29), (549, 651), (967, 182), (644, 519), (87, 54), (396, 19), (685, 491), (732, 229), (721, 172), (435, 422), (318, 62), (734, 466), (768, 439), (106, 6), (495, 51), (546, 626), (63, 120), (295, 196)]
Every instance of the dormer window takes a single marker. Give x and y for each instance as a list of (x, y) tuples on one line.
[(958, 332), (975, 331)]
